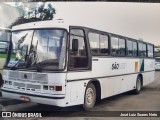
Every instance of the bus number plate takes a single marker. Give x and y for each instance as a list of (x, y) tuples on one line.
[(24, 98)]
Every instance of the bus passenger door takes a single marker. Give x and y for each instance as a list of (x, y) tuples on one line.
[(78, 64), (78, 50)]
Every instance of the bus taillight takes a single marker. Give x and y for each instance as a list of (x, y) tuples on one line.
[(58, 88)]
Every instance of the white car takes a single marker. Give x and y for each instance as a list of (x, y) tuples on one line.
[(157, 65)]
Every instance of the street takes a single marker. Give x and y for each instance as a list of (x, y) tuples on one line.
[(148, 100)]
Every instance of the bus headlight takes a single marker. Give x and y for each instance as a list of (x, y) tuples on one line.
[(56, 88), (51, 87), (10, 82), (6, 82), (45, 87)]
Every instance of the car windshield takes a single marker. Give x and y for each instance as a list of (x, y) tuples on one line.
[(42, 49)]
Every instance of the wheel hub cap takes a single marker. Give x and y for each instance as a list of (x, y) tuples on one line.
[(89, 96)]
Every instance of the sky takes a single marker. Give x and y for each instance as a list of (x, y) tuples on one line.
[(135, 20)]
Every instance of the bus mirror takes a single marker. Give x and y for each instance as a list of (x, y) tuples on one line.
[(75, 45)]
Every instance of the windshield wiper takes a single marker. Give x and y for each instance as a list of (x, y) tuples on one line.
[(33, 57), (17, 64), (47, 64)]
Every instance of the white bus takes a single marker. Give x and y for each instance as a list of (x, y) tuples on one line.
[(4, 42), (157, 63), (60, 64)]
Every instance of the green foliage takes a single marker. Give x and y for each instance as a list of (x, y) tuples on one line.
[(5, 55)]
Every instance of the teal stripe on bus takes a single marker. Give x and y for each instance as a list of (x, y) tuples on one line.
[(142, 66)]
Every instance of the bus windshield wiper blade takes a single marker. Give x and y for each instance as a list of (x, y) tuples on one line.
[(43, 65), (48, 62), (15, 66)]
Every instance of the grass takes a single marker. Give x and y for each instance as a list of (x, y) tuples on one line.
[(5, 55)]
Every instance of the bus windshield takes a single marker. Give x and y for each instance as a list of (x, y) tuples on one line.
[(4, 41), (40, 49)]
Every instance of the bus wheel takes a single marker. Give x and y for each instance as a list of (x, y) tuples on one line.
[(138, 85), (90, 97)]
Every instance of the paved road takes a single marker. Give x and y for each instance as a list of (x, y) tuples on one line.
[(148, 100)]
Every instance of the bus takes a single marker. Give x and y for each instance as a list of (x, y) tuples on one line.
[(4, 42), (62, 64), (157, 63)]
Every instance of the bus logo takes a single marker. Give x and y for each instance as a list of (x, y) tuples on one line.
[(115, 66), (25, 76)]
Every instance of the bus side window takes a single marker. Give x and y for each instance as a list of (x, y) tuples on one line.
[(150, 51), (77, 58), (114, 45), (130, 48), (103, 44), (94, 42), (135, 49), (98, 43), (140, 49), (144, 50), (122, 50), (118, 47)]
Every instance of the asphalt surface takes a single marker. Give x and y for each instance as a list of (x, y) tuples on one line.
[(148, 100)]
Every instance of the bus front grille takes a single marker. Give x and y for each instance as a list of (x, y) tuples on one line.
[(40, 78), (27, 86), (19, 84), (31, 86), (28, 77), (13, 74)]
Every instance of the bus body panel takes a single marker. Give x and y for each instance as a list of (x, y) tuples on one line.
[(21, 85), (4, 41), (113, 80), (41, 100), (116, 74)]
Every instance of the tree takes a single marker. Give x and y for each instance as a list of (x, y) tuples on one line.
[(20, 8)]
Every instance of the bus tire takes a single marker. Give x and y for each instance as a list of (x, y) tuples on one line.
[(89, 97), (1, 80), (138, 85)]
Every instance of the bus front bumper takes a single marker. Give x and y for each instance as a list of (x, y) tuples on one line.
[(56, 100)]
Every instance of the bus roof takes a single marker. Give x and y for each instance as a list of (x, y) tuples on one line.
[(60, 23), (42, 24), (3, 28)]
